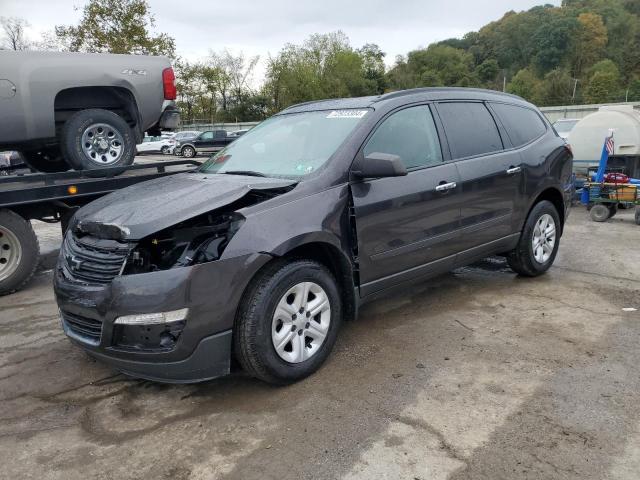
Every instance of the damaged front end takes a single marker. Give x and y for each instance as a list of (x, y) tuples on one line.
[(199, 240), (133, 293)]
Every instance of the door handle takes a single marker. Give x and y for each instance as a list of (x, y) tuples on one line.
[(443, 187), (512, 170)]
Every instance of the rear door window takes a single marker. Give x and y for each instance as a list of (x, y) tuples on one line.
[(411, 134), (523, 125), (470, 128)]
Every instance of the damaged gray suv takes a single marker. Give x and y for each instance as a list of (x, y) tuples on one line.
[(271, 244)]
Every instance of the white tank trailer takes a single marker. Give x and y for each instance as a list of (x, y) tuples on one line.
[(588, 136)]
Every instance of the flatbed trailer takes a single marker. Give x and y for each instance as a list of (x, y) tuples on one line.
[(52, 198)]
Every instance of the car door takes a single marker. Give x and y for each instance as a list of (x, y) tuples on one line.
[(204, 143), (219, 140), (490, 175), (406, 226)]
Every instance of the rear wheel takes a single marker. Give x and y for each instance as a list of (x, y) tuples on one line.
[(188, 151), (289, 322), (19, 251), (539, 241), (637, 215), (613, 209), (97, 138), (599, 213)]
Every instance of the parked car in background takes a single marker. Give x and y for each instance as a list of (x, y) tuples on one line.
[(564, 126), (186, 135), (205, 142), (279, 237), (162, 144), (10, 159), (65, 110)]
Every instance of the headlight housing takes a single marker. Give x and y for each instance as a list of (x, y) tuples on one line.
[(199, 240)]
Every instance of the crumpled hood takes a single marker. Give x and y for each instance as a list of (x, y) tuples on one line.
[(148, 207)]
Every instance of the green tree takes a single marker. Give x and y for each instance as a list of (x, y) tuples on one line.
[(556, 88), (603, 87), (633, 92), (525, 84), (373, 66), (488, 70), (116, 26), (589, 42)]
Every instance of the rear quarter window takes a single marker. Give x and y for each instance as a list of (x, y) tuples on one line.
[(523, 125), (470, 128)]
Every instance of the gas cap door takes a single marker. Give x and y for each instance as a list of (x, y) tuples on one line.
[(7, 89)]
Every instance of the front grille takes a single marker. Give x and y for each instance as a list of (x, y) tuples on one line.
[(87, 329), (93, 260)]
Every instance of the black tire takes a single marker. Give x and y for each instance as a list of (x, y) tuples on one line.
[(71, 139), (522, 259), (600, 213), (253, 345), (164, 150), (613, 209), (47, 160), (637, 215), (188, 151), (24, 267)]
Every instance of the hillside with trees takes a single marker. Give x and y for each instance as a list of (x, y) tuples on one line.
[(585, 51)]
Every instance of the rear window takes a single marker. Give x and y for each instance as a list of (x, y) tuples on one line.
[(523, 125), (470, 128)]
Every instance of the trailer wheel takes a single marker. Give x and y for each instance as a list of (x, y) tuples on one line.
[(637, 215), (19, 252), (599, 213), (97, 138), (613, 209)]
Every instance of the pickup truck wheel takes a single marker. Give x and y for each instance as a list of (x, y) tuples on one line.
[(188, 151), (539, 241), (97, 138), (48, 160), (19, 252), (288, 322)]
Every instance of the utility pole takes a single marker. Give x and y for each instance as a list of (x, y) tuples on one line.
[(575, 87), (504, 84)]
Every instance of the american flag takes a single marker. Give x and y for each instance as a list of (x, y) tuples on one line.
[(609, 145)]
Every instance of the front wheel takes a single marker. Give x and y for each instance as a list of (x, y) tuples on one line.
[(539, 241), (97, 138), (19, 252), (164, 150), (288, 322)]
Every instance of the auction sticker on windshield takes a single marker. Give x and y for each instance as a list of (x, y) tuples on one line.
[(347, 114)]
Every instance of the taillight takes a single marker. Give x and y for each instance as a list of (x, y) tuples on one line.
[(169, 84)]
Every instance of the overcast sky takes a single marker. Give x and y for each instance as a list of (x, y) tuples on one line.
[(262, 27)]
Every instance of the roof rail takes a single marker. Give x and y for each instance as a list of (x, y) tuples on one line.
[(413, 91)]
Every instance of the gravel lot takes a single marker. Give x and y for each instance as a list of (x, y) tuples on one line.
[(476, 374)]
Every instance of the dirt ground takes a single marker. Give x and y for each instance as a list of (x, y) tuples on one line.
[(478, 374)]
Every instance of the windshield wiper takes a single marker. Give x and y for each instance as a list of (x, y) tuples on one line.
[(249, 173)]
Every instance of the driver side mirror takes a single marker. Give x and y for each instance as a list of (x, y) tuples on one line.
[(378, 165)]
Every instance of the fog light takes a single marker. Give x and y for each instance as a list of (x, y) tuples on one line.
[(153, 318)]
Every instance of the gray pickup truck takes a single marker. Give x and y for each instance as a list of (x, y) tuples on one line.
[(78, 111)]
